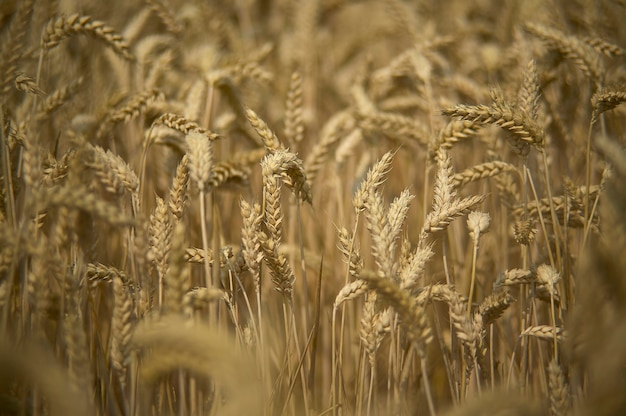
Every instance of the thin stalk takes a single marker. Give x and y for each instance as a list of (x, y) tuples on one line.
[(182, 408), (360, 382), (427, 391), (588, 172), (541, 221), (555, 221), (205, 241), (370, 390), (553, 316), (473, 276)]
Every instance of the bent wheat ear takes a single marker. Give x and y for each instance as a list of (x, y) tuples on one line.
[(64, 27), (607, 99), (582, 55), (437, 221), (452, 133), (130, 110), (351, 291), (25, 83), (514, 121), (290, 169), (183, 124), (484, 170), (494, 306), (604, 47)]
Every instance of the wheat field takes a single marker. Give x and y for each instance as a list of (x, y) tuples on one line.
[(312, 207)]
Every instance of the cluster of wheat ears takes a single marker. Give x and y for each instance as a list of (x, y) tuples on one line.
[(312, 207)]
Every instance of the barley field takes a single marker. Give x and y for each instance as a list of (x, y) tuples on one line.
[(312, 207)]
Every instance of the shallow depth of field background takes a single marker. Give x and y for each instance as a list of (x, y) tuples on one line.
[(312, 207)]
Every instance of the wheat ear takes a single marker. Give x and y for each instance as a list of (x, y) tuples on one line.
[(582, 55), (63, 27)]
